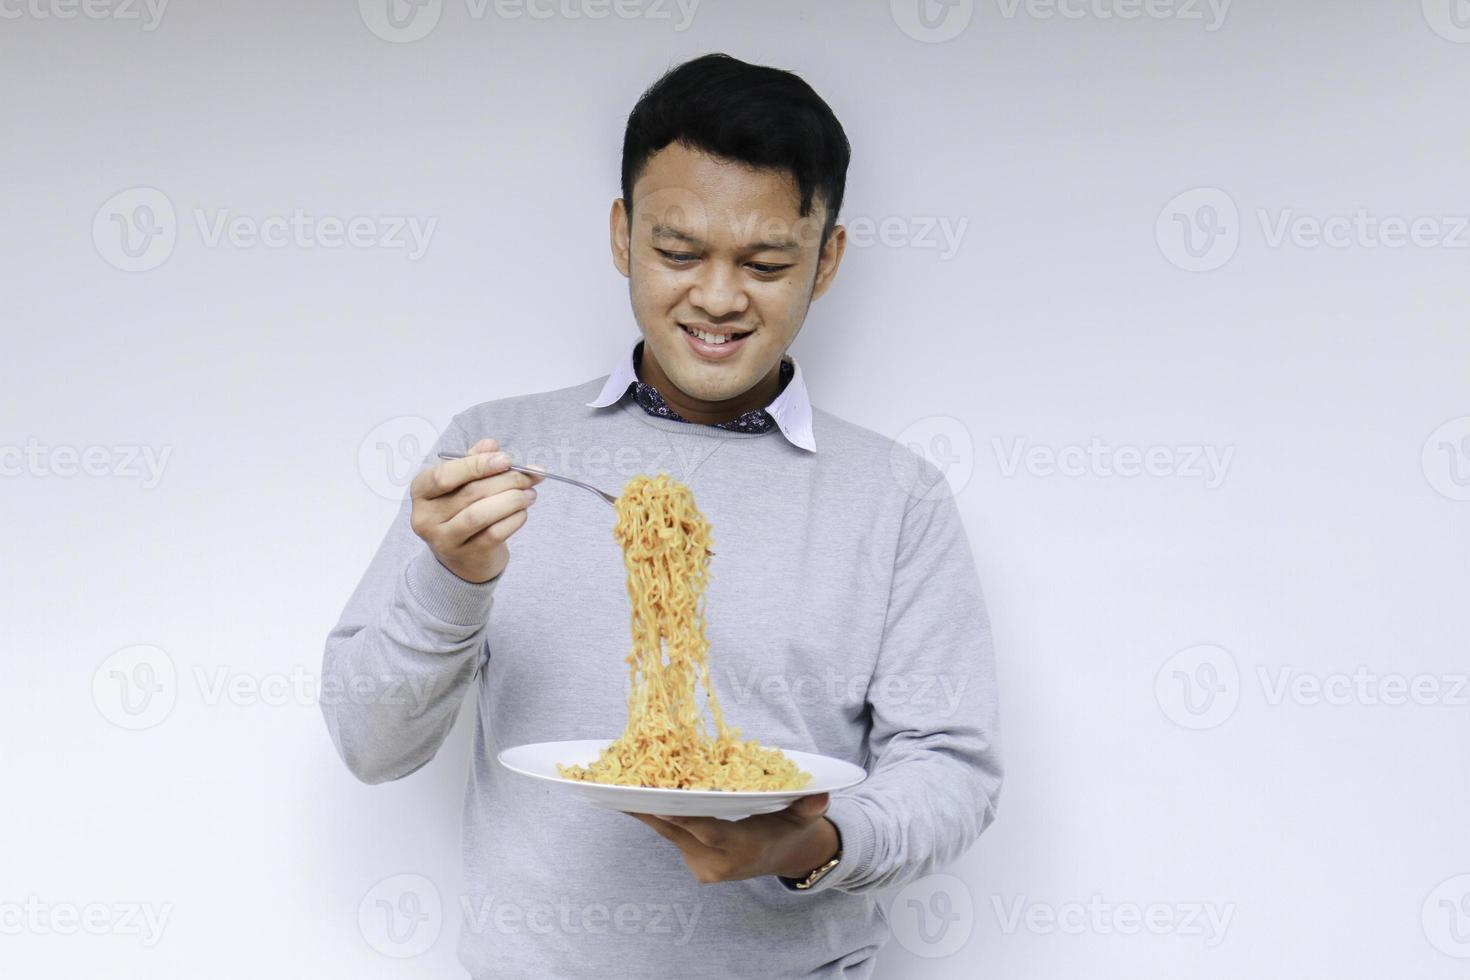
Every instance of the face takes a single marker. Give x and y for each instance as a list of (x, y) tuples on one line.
[(721, 271)]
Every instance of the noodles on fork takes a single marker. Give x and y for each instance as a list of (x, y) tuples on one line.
[(666, 745)]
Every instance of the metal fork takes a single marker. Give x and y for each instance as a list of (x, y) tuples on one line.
[(609, 498), (613, 501)]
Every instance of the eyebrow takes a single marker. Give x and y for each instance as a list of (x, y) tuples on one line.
[(775, 245)]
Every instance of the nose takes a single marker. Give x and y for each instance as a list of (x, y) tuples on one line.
[(718, 291)]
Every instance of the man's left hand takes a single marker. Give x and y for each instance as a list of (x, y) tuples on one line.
[(789, 843)]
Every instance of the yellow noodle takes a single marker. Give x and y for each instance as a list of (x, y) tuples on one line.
[(665, 541)]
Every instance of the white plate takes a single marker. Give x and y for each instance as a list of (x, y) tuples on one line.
[(539, 762)]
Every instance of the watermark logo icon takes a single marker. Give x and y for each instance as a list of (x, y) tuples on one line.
[(1446, 917), (1199, 687), (401, 21), (933, 916), (391, 455), (401, 917), (136, 687), (1450, 19), (135, 230), (1446, 459), (942, 440), (932, 21), (1199, 230)]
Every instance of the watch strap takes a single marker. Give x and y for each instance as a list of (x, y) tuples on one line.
[(817, 874)]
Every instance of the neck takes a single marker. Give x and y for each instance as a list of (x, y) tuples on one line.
[(760, 395)]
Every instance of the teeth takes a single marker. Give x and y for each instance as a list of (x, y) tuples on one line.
[(709, 338)]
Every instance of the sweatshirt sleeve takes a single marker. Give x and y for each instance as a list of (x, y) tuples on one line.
[(933, 747), (405, 650)]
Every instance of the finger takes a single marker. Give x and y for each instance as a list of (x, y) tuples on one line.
[(489, 445), (488, 486), (809, 807), (646, 818), (480, 489), (485, 513), (450, 475), (500, 530), (669, 832), (496, 517), (709, 831), (531, 471)]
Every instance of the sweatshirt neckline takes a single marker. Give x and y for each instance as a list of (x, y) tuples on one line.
[(690, 428)]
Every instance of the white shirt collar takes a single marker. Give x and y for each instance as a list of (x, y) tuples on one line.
[(792, 408)]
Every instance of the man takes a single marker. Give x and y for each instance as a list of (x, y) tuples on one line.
[(845, 615)]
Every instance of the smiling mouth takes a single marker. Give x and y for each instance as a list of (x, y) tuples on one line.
[(715, 338)]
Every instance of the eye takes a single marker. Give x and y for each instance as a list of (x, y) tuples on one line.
[(677, 257), (768, 270)]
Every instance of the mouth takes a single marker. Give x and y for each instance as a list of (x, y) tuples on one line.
[(714, 343)]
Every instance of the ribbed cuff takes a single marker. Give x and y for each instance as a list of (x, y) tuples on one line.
[(858, 841), (444, 595)]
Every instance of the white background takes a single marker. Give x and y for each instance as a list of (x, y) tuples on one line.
[(1329, 836)]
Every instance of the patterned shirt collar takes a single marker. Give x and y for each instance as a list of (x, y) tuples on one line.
[(790, 411)]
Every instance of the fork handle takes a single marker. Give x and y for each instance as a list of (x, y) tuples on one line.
[(550, 476), (607, 498)]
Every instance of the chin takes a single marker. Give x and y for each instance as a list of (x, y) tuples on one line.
[(704, 391)]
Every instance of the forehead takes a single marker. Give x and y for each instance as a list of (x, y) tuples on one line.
[(720, 201)]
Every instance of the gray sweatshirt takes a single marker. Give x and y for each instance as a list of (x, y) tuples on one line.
[(845, 617)]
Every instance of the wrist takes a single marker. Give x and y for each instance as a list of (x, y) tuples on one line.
[(820, 846), (472, 575)]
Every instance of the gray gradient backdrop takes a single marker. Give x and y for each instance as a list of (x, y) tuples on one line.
[(1193, 350)]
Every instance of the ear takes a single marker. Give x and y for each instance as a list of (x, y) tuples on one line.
[(829, 260), (618, 226)]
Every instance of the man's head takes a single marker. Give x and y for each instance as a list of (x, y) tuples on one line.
[(733, 176)]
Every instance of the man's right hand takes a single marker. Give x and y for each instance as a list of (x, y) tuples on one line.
[(466, 509)]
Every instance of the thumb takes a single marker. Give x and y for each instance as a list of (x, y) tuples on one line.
[(810, 807)]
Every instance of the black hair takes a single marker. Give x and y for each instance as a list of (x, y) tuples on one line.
[(763, 117)]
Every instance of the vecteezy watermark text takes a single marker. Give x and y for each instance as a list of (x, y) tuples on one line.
[(1200, 230), (1211, 13), (406, 21), (938, 232), (542, 918), (138, 687), (1363, 686), (1099, 459), (302, 230), (939, 695), (148, 12), (1099, 917), (127, 462), (937, 21), (137, 229), (1363, 229), (37, 917), (1200, 687)]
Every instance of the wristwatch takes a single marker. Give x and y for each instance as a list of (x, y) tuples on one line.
[(817, 874)]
